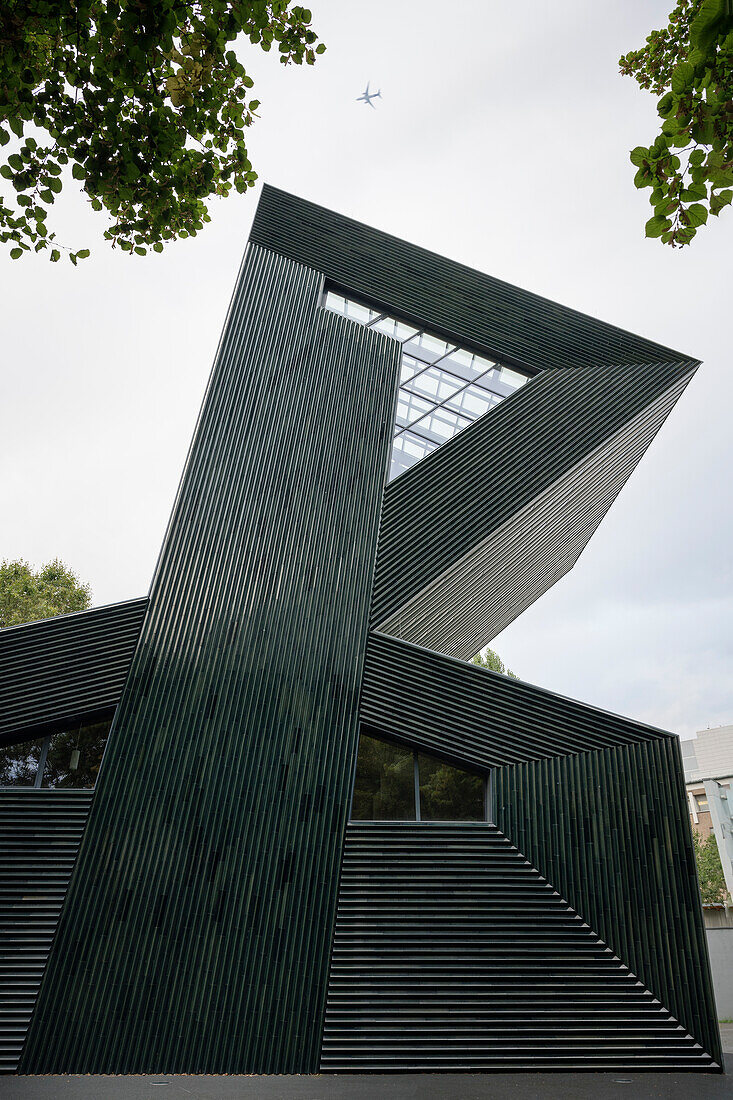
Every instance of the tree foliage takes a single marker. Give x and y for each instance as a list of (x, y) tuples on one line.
[(689, 166), (26, 595), (709, 869), (488, 659), (144, 99)]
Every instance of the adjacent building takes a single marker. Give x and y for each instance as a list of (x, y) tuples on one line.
[(708, 763), (269, 818)]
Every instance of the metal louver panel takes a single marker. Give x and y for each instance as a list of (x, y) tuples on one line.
[(67, 668), (610, 830), (481, 527), (40, 832), (469, 306), (484, 591), (452, 953), (477, 717), (198, 924)]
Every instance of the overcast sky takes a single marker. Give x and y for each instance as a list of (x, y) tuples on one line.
[(501, 141)]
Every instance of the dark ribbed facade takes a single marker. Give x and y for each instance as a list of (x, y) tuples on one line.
[(224, 914)]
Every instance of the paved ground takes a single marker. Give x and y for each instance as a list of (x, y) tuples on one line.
[(518, 1086), (426, 1086)]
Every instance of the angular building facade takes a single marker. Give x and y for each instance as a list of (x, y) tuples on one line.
[(320, 839)]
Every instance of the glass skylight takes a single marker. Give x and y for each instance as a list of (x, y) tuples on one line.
[(443, 388)]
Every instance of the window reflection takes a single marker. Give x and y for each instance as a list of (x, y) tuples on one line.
[(448, 793), (387, 776), (68, 758), (440, 373), (74, 757), (19, 763), (385, 782)]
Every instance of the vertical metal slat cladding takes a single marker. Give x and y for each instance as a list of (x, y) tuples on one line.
[(198, 924), (609, 829)]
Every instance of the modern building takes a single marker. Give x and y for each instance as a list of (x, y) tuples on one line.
[(708, 763), (320, 839)]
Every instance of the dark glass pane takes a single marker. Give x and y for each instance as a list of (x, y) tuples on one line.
[(385, 782), (74, 756), (19, 763), (448, 793)]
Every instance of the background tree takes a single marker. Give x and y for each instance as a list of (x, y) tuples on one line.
[(26, 595), (488, 659), (709, 869), (689, 166), (144, 99)]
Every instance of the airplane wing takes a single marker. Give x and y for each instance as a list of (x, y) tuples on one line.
[(369, 101)]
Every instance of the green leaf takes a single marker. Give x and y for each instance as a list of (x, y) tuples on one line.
[(683, 76), (697, 213), (643, 178), (78, 172), (83, 253), (656, 226), (55, 255), (638, 155), (717, 202), (16, 253), (694, 192)]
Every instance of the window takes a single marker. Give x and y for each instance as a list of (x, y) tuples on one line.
[(393, 783), (443, 388), (68, 759)]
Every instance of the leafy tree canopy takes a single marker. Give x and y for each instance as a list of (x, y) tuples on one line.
[(689, 166), (144, 99), (26, 595), (488, 659), (709, 869)]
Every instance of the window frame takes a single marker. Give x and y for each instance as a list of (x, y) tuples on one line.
[(485, 776)]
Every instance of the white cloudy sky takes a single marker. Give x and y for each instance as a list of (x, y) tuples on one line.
[(501, 141)]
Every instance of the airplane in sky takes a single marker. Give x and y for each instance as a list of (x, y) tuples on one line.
[(369, 96)]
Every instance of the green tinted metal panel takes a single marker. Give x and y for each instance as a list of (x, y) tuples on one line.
[(40, 832), (455, 300), (480, 718), (66, 669), (456, 511), (197, 928), (452, 952), (610, 830)]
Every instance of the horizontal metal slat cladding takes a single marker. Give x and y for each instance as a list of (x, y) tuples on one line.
[(198, 924), (66, 668), (452, 952), (610, 829), (40, 832), (478, 717), (469, 306), (450, 503), (469, 604)]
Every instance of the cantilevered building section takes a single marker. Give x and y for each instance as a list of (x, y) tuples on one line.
[(320, 840)]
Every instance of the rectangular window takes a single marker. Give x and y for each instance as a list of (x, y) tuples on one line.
[(69, 758), (394, 783)]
